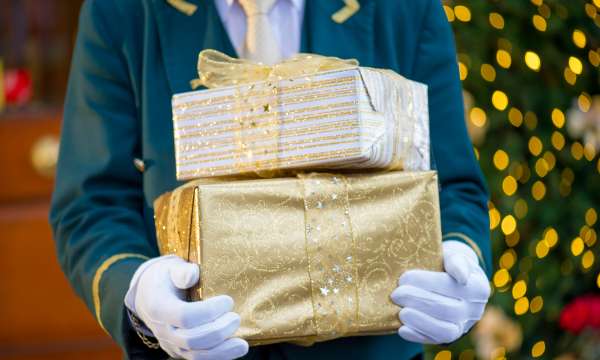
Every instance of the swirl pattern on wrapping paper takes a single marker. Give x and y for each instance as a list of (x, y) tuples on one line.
[(251, 237)]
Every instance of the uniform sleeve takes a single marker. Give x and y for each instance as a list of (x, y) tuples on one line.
[(96, 212), (463, 195)]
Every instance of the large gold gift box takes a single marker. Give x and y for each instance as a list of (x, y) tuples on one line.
[(309, 258)]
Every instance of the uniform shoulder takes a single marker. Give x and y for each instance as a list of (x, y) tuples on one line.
[(405, 12)]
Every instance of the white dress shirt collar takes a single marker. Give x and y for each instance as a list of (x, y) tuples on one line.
[(297, 3)]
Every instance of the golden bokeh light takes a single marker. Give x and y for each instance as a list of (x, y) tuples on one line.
[(550, 160), (501, 278), (508, 259), (508, 224), (591, 216), (558, 140), (594, 58), (533, 61), (521, 306), (579, 38), (478, 117), (520, 208), (536, 305), (500, 100), (515, 117), (531, 120), (449, 13), (538, 190), (463, 71), (443, 355), (512, 240), (584, 101), (535, 145), (551, 237), (570, 77), (509, 185), (541, 249), (575, 65), (577, 246), (496, 20), (462, 13), (587, 260), (538, 349), (589, 151), (519, 289), (558, 118), (541, 167), (501, 159), (488, 73), (503, 58), (577, 150), (539, 23), (495, 218)]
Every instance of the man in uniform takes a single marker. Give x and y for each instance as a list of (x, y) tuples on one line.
[(117, 156)]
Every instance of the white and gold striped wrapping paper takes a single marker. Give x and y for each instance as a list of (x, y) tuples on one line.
[(355, 118)]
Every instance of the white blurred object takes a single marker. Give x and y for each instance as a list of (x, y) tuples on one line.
[(585, 124)]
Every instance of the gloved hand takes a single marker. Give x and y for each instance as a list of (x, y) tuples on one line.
[(439, 307), (185, 330)]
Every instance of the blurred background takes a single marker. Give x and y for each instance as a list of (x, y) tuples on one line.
[(530, 70)]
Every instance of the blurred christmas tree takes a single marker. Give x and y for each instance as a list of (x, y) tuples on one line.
[(532, 94)]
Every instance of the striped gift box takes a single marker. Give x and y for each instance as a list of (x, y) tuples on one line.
[(357, 118)]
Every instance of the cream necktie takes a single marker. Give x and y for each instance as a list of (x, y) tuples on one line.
[(261, 45)]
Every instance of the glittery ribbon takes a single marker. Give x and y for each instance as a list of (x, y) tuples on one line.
[(330, 250), (260, 96), (216, 69)]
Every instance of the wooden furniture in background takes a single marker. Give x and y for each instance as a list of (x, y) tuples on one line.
[(41, 316)]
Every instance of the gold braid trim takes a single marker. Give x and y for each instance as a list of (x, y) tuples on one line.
[(183, 6), (98, 277), (351, 8), (469, 242)]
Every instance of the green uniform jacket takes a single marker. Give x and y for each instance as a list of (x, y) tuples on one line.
[(131, 56)]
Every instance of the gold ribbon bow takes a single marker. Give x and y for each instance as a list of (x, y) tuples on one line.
[(216, 69)]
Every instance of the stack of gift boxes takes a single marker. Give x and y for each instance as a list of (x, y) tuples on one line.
[(309, 194)]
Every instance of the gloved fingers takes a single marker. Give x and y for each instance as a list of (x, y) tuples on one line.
[(412, 335), (184, 275), (434, 281), (229, 349), (175, 312), (459, 267), (205, 336), (437, 330), (435, 305), (477, 288)]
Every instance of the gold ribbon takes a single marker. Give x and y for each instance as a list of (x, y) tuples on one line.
[(216, 69), (330, 250)]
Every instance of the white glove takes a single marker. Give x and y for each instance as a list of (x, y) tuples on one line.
[(185, 330), (439, 307)]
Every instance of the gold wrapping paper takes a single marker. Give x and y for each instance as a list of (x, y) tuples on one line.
[(309, 258)]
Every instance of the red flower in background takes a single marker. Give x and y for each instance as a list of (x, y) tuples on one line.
[(18, 86), (581, 313)]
